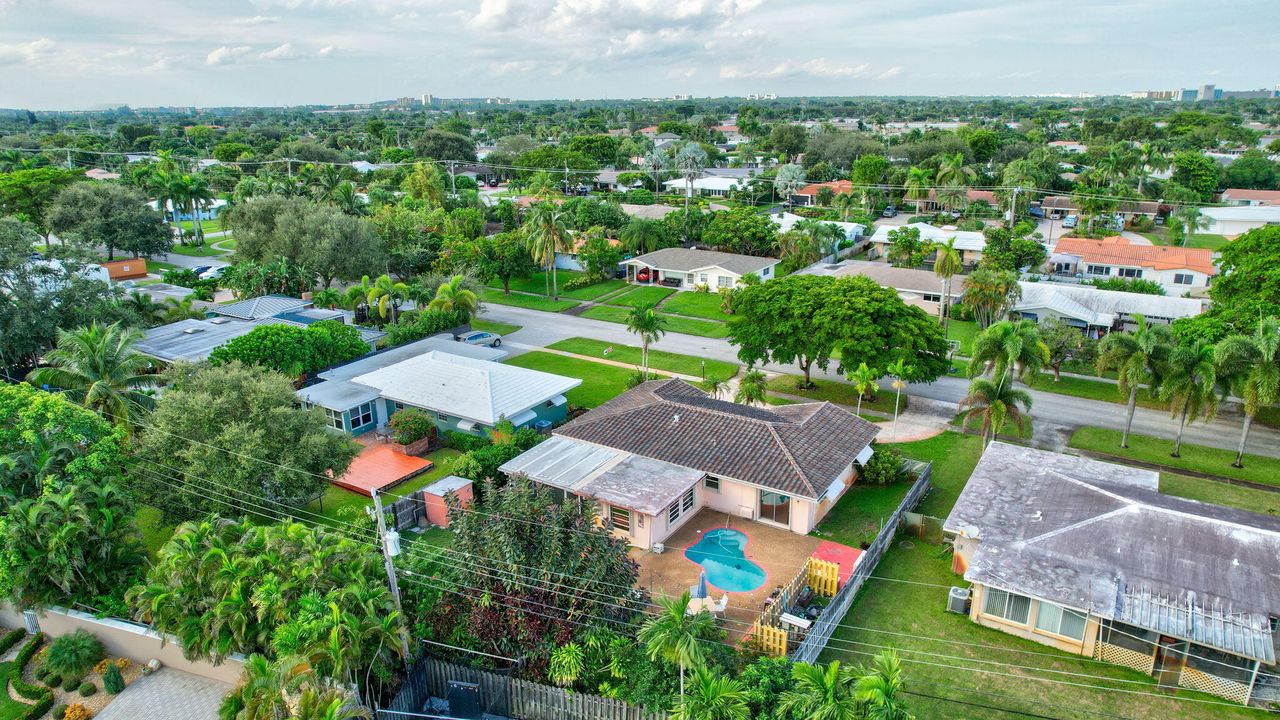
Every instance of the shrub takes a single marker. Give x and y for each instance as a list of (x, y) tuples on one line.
[(30, 692), (87, 689), (411, 425), (74, 654), (884, 468), (70, 683), (59, 712), (182, 277), (466, 442), (10, 639), (53, 680), (76, 711), (112, 680), (580, 282)]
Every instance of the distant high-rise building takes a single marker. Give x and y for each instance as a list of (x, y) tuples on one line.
[(406, 102), (1207, 92), (428, 99)]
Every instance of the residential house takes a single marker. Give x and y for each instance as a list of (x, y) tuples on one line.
[(920, 288), (1071, 147), (969, 243), (853, 232), (931, 204), (808, 195), (687, 268), (655, 455), (1056, 206), (662, 141), (1232, 221), (100, 174), (1177, 269), (708, 185), (209, 210), (569, 260), (1097, 312), (732, 136), (1089, 557), (1238, 196), (462, 386)]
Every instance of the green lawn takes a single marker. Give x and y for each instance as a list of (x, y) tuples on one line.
[(912, 610), (858, 515), (158, 267), (696, 304), (1220, 493), (1196, 458), (835, 392), (1009, 431), (687, 326), (531, 302), (210, 226), (205, 250), (494, 327), (1198, 240), (963, 331), (10, 709), (641, 296), (226, 243), (155, 532), (595, 290), (658, 359), (538, 283), (600, 382), (1091, 390), (339, 505)]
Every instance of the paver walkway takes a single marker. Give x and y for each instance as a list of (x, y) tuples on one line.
[(168, 695)]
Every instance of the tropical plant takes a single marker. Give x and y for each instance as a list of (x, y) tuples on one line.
[(1190, 386), (673, 634), (387, 296), (712, 696), (880, 689), (946, 265), (150, 312), (845, 203), (566, 664), (453, 296), (1009, 348), (899, 370), (1137, 358), (822, 693), (547, 232), (97, 367), (328, 298), (1251, 364), (73, 654), (990, 293), (715, 386), (112, 680), (1192, 221), (642, 235), (919, 181), (953, 171), (689, 162), (649, 325), (864, 381), (753, 388), (992, 404)]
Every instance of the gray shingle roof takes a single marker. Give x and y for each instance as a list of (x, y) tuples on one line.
[(796, 449), (260, 307), (688, 260)]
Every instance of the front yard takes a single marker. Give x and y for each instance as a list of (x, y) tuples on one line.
[(658, 359), (1195, 458), (675, 323), (529, 302), (835, 392), (703, 305), (600, 382)]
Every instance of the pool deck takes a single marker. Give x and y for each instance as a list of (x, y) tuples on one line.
[(780, 552)]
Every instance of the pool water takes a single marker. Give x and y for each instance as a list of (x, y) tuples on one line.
[(720, 553)]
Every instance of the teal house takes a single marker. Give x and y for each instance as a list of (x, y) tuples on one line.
[(463, 387)]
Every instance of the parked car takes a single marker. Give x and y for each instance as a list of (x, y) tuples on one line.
[(480, 337), (890, 211), (199, 269), (493, 182), (1036, 212), (642, 275), (1070, 221), (213, 273)]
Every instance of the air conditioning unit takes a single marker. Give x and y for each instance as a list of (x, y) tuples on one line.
[(658, 548), (958, 600)]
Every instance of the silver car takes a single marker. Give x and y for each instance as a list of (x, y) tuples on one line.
[(480, 337)]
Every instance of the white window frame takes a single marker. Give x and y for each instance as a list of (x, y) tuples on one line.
[(1184, 279), (724, 281), (932, 297), (335, 418), (681, 507), (688, 277), (1049, 619), (1000, 603), (1129, 273), (702, 278)]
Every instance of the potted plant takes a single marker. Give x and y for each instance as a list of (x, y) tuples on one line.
[(414, 431)]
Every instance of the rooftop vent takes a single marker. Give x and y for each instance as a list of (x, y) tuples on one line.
[(219, 321), (192, 330)]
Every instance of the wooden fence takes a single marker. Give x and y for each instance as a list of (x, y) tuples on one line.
[(503, 696), (404, 513), (816, 640)]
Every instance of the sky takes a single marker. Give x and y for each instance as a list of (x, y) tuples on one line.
[(78, 54)]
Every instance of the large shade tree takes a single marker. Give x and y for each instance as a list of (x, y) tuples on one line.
[(115, 217)]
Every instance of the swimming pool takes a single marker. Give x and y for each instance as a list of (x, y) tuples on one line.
[(720, 553)]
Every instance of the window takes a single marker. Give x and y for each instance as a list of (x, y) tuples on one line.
[(680, 507), (1184, 279), (445, 418), (932, 297), (689, 277), (1129, 273), (335, 419), (1098, 270), (1001, 604), (711, 483), (766, 272), (620, 518), (398, 406), (1058, 620), (724, 281), (686, 502), (362, 415), (702, 278)]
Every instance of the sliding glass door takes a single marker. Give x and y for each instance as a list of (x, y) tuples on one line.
[(775, 507)]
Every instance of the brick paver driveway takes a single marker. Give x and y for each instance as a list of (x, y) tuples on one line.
[(168, 695)]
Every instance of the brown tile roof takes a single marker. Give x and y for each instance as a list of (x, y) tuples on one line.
[(837, 187), (1120, 251), (1265, 197), (796, 449)]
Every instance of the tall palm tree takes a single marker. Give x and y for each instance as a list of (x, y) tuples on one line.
[(387, 295), (673, 635), (952, 196), (1154, 157), (864, 381), (453, 295), (898, 370), (198, 194), (1190, 386), (649, 325), (546, 231), (713, 697), (1252, 364), (690, 162), (1137, 358), (789, 179), (642, 235), (993, 404), (880, 689), (753, 388), (917, 185), (1009, 347), (822, 693), (357, 294), (98, 368), (845, 203), (346, 199), (953, 171), (946, 265), (1192, 220), (655, 163)]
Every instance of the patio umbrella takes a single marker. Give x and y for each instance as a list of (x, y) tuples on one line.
[(700, 590)]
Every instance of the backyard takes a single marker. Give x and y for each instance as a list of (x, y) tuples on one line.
[(338, 505)]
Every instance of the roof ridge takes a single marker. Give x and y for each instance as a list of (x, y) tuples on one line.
[(786, 451)]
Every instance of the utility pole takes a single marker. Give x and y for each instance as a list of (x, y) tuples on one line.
[(70, 165), (390, 548), (1013, 207), (453, 185), (566, 177)]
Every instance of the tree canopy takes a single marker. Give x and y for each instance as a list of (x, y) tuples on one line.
[(294, 350), (113, 216)]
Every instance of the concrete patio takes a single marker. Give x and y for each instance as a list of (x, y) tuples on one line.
[(168, 695)]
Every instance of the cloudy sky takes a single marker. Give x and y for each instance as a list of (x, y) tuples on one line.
[(69, 54)]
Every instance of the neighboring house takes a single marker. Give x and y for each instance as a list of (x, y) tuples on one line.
[(687, 268), (1177, 269), (462, 386), (969, 243), (1056, 206), (920, 288), (971, 196), (100, 174), (712, 185), (647, 212), (193, 340), (1232, 221), (732, 135), (130, 269), (655, 455), (853, 232), (1097, 312), (808, 195), (1070, 146), (1237, 196), (210, 211), (569, 260), (662, 141), (1090, 558), (607, 179)]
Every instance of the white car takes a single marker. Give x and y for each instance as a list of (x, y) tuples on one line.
[(480, 337), (213, 273)]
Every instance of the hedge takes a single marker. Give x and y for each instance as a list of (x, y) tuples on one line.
[(10, 639), (42, 696)]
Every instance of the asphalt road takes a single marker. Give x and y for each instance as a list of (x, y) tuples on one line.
[(1056, 416)]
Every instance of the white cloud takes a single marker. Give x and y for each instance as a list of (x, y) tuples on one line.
[(894, 71), (283, 52), (815, 68), (26, 53), (227, 55), (326, 51), (257, 20)]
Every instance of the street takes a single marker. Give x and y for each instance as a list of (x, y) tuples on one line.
[(1056, 416)]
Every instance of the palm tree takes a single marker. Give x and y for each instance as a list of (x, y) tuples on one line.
[(898, 370), (1252, 363), (646, 322), (452, 295), (547, 232), (1153, 157), (789, 179), (328, 298), (952, 196), (1190, 386), (917, 185), (952, 170), (880, 689), (993, 404), (148, 310), (345, 198), (387, 295), (690, 162), (1192, 220), (864, 381), (358, 294), (1009, 346), (753, 388), (642, 236), (197, 193), (23, 471), (655, 163), (181, 309), (673, 635), (820, 693), (946, 265), (713, 697), (1137, 358), (845, 203), (714, 385), (329, 704), (265, 692), (97, 367)]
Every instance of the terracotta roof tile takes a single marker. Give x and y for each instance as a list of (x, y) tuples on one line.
[(1118, 250)]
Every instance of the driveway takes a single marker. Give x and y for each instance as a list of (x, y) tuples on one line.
[(168, 695)]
